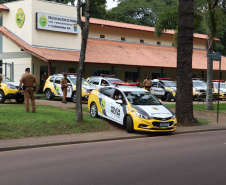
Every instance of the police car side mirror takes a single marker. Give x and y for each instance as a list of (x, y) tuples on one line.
[(119, 101)]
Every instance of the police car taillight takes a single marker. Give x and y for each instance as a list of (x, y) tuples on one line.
[(127, 84)]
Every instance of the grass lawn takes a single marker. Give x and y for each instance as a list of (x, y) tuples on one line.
[(48, 120), (201, 107)]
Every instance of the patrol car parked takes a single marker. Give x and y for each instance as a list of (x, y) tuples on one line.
[(137, 109), (109, 80), (164, 88), (9, 90), (222, 92), (199, 87), (53, 88)]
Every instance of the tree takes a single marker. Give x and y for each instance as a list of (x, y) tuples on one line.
[(184, 106), (85, 32)]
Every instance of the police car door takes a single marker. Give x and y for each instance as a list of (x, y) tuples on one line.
[(117, 112), (57, 86), (160, 90), (69, 88)]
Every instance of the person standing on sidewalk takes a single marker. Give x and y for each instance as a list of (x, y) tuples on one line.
[(64, 86), (147, 84), (29, 82)]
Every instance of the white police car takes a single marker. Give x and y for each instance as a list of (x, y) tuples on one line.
[(137, 109)]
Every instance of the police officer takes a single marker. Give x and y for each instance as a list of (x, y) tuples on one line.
[(147, 84), (64, 86), (29, 82)]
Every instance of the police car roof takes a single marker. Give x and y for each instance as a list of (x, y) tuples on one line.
[(130, 88)]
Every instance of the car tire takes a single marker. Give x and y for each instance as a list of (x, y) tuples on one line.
[(48, 94), (129, 124), (2, 97), (73, 97), (163, 99), (20, 99), (168, 97), (93, 110)]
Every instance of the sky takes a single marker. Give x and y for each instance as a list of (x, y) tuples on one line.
[(111, 4)]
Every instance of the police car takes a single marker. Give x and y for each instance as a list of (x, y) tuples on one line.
[(98, 80), (137, 108), (222, 92), (9, 90), (164, 88), (53, 88), (199, 87)]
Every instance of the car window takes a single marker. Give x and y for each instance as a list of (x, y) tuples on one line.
[(154, 84), (107, 92), (57, 80), (96, 81), (51, 79)]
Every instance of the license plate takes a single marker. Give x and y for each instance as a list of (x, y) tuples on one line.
[(164, 124)]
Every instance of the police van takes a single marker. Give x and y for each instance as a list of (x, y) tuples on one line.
[(164, 88), (53, 88)]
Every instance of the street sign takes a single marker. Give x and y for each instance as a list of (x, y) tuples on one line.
[(214, 56)]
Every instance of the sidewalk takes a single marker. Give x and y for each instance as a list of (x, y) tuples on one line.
[(117, 133)]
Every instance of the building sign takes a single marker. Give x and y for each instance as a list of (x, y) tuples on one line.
[(56, 23), (20, 18)]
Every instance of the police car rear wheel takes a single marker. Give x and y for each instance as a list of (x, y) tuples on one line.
[(93, 110), (48, 94), (73, 97), (20, 99), (168, 97), (2, 97), (129, 124)]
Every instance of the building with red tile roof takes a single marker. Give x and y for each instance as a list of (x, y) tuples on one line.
[(129, 51)]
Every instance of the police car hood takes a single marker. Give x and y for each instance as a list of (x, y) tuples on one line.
[(158, 111), (90, 87), (12, 83)]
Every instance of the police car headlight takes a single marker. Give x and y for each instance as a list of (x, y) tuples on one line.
[(11, 86), (173, 117), (144, 116)]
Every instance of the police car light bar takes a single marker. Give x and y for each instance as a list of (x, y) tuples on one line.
[(164, 78), (218, 80), (107, 75), (128, 84)]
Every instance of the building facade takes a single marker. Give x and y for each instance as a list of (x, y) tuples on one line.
[(45, 36)]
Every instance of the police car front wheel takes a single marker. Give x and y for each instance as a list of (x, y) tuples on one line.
[(2, 97), (48, 94), (129, 124), (93, 110)]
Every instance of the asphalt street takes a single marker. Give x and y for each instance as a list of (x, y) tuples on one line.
[(188, 159)]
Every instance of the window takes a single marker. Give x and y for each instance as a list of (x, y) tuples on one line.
[(107, 92), (58, 80), (154, 84), (51, 79), (71, 70), (158, 43), (141, 41), (123, 39), (96, 81), (102, 36), (131, 76)]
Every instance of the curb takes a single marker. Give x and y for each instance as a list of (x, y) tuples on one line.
[(42, 145)]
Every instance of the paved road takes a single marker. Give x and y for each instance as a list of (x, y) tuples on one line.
[(189, 159)]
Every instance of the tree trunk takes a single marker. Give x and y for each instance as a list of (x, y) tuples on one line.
[(209, 94), (85, 33), (184, 96)]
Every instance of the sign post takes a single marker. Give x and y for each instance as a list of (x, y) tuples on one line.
[(217, 57)]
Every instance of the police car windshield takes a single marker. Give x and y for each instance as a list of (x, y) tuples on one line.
[(222, 85), (170, 84), (5, 79), (141, 98), (111, 81), (199, 84)]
